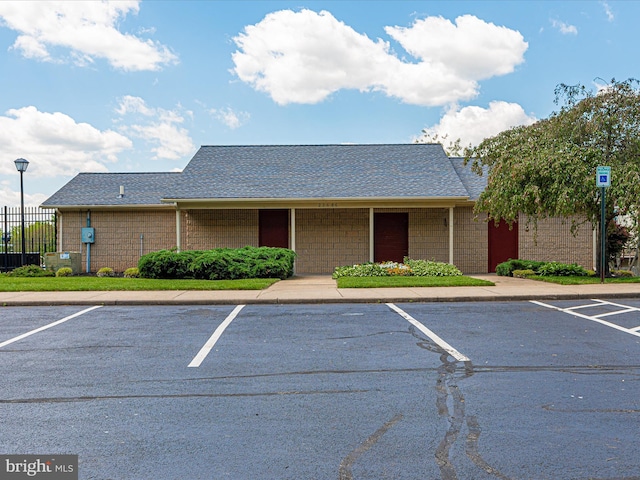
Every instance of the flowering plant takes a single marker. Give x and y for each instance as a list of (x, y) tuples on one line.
[(417, 268)]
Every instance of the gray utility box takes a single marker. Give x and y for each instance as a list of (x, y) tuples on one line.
[(54, 261)]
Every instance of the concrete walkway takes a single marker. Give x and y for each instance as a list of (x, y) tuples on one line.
[(323, 289)]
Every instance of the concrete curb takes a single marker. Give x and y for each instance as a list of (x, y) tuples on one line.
[(322, 289), (35, 302)]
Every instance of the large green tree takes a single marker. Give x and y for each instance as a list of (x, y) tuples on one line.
[(547, 169)]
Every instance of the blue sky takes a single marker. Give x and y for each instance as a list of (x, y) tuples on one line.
[(139, 86)]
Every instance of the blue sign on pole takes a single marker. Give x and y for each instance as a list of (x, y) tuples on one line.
[(603, 180), (603, 176)]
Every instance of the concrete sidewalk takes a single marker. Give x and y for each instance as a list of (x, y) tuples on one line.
[(323, 289)]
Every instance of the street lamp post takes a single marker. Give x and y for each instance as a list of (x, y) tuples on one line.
[(21, 165)]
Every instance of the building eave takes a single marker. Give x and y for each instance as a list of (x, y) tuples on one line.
[(131, 206), (327, 202)]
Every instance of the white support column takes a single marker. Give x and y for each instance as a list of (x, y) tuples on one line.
[(451, 235), (178, 229), (371, 236), (293, 229), (595, 249)]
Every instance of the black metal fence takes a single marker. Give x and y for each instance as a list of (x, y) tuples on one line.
[(40, 230)]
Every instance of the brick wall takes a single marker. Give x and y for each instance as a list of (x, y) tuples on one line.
[(206, 229), (470, 241), (327, 238), (429, 234), (555, 242), (118, 244)]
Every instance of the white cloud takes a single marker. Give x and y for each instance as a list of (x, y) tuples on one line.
[(608, 12), (87, 29), (473, 124), (472, 48), (564, 28), (157, 126), (303, 57), (11, 197), (55, 144), (229, 117)]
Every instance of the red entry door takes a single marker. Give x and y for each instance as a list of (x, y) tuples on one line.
[(503, 243), (390, 237), (274, 228)]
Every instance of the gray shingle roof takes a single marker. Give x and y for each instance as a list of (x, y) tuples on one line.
[(285, 172), (103, 189), (319, 171), (473, 182)]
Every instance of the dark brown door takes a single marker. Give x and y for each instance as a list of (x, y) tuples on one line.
[(274, 228), (503, 243), (390, 237)]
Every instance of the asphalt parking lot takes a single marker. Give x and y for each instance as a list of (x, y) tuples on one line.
[(508, 390)]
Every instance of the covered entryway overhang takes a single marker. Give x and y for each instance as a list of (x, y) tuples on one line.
[(312, 222)]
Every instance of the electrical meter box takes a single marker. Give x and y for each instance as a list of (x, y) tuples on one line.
[(88, 235)]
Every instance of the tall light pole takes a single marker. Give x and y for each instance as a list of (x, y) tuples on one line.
[(21, 165)]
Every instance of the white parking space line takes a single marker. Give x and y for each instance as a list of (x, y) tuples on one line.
[(626, 310), (45, 327), (590, 305), (439, 341), (207, 347), (594, 318)]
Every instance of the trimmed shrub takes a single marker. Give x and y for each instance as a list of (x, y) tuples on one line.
[(219, 263), (622, 273), (562, 270), (30, 271), (505, 269), (105, 272), (523, 273), (167, 264), (131, 273), (64, 272)]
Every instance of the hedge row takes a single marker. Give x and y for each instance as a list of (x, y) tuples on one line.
[(507, 268), (219, 263)]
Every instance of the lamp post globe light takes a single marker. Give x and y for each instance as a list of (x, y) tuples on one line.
[(21, 166)]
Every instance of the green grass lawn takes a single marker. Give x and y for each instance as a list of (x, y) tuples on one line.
[(584, 280), (400, 281), (87, 283)]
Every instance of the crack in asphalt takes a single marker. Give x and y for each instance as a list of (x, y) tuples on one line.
[(471, 448), (552, 408), (344, 471), (367, 335), (90, 398), (447, 387), (62, 349)]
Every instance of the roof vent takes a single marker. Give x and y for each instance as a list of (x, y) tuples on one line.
[(121, 191)]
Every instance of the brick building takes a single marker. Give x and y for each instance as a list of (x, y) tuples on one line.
[(333, 204)]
